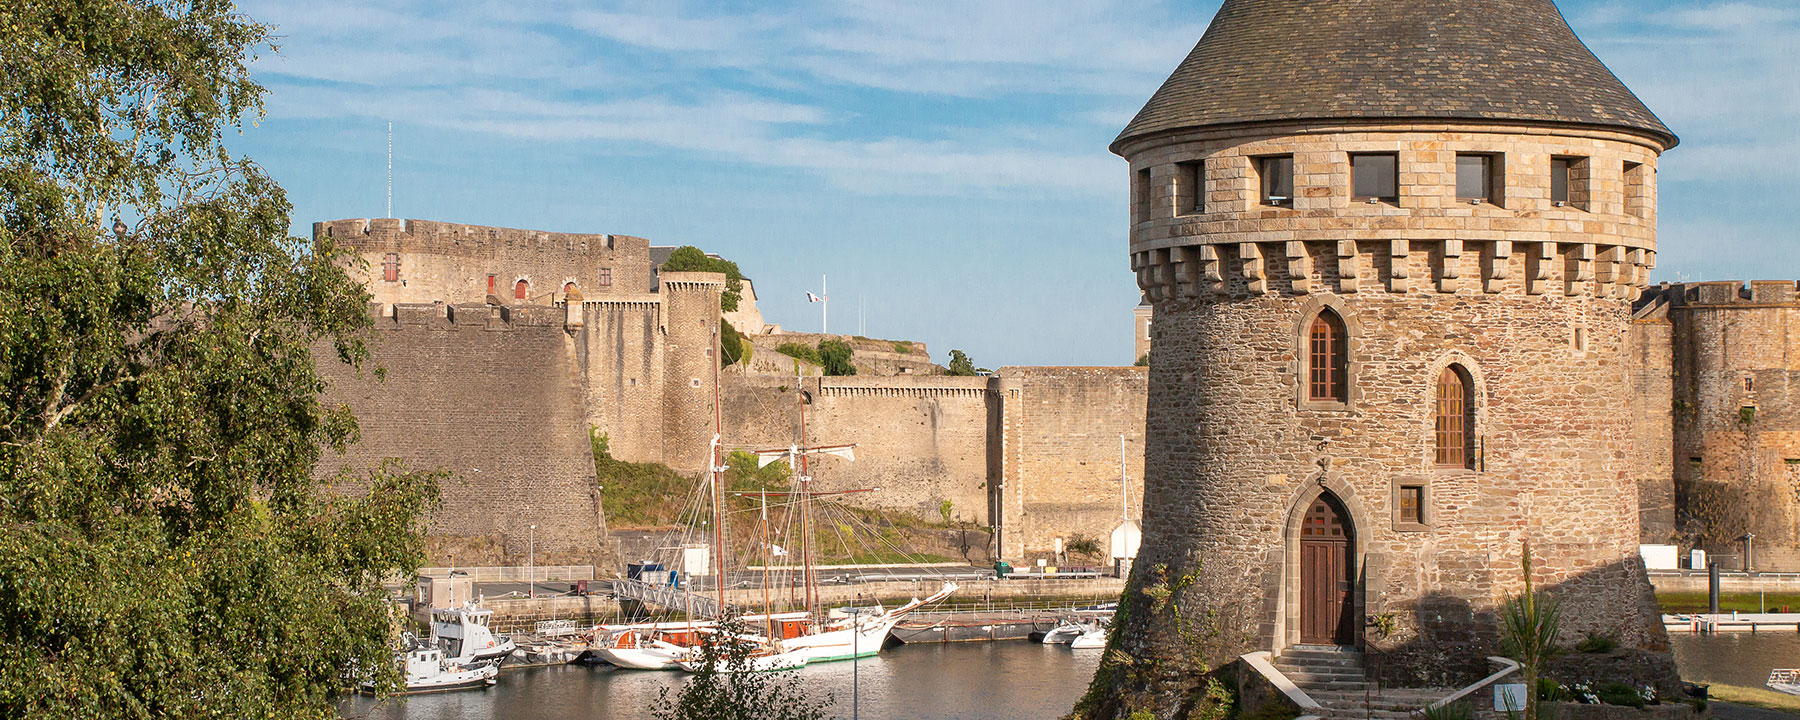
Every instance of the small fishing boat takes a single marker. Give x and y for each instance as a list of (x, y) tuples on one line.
[(464, 635), (427, 670), (1785, 680)]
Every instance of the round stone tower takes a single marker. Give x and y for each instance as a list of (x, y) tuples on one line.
[(1391, 247)]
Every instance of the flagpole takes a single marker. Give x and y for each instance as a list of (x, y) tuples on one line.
[(824, 307)]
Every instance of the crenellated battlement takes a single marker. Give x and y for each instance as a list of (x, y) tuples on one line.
[(1728, 294), (445, 316), (1302, 267), (410, 236)]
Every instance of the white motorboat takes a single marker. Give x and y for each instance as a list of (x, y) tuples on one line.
[(1064, 634), (427, 670), (1785, 680), (463, 634), (1093, 638)]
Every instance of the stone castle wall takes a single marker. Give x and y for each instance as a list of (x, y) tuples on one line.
[(451, 262), (922, 440), (1737, 419), (493, 395), (1060, 444), (1652, 387)]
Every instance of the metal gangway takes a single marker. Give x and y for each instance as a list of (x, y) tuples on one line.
[(667, 596)]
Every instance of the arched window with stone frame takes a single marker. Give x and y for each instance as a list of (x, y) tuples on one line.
[(1453, 419), (1327, 358)]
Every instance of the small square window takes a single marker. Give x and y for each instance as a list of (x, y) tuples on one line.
[(1277, 175), (1478, 178), (1412, 504), (491, 280), (1637, 189), (1375, 178), (1190, 192), (1749, 383), (1569, 182), (606, 277)]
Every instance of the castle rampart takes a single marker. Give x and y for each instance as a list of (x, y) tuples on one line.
[(425, 261), (1736, 424)]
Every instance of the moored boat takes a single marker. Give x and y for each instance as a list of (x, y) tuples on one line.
[(427, 670), (463, 634)]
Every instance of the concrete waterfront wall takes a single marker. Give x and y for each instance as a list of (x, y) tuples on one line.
[(1696, 582)]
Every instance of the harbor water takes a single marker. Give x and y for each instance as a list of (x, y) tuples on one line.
[(978, 681)]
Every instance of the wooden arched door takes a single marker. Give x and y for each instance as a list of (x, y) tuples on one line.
[(1327, 574)]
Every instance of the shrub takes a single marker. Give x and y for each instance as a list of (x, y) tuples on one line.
[(1079, 545), (1452, 711), (732, 347), (1550, 690), (1143, 360), (903, 347), (1597, 643), (1613, 692), (799, 351), (836, 356)]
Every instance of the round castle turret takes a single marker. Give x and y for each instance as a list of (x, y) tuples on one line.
[(1391, 247)]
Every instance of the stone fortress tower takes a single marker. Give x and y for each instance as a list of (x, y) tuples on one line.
[(1731, 402), (1392, 248)]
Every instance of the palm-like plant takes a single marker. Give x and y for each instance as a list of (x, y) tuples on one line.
[(1529, 623)]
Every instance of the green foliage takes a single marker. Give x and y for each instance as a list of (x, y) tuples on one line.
[(1529, 623), (688, 258), (732, 348), (903, 347), (1452, 711), (725, 689), (637, 494), (835, 356), (1549, 690), (1143, 360), (1747, 414), (1386, 624), (1597, 643), (800, 351), (960, 364), (1082, 546), (944, 511), (165, 549), (1692, 602), (742, 474), (1613, 692)]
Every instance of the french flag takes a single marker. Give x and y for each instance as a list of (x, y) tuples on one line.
[(811, 298)]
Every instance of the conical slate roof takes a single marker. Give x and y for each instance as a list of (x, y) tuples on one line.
[(1271, 60)]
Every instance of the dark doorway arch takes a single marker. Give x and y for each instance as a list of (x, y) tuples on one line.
[(1327, 573)]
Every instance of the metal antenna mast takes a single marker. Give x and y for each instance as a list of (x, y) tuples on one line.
[(390, 187)]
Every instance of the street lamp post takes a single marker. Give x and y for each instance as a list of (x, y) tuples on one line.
[(531, 562)]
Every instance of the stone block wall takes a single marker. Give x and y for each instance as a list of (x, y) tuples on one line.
[(1652, 401), (493, 395), (1062, 455), (922, 440), (451, 262), (1737, 420)]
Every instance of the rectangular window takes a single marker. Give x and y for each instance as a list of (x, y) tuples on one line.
[(1412, 504), (1569, 182), (1477, 178), (1637, 190), (1277, 179), (390, 267), (1140, 191), (606, 277), (1375, 178), (1559, 181), (491, 280), (1190, 193)]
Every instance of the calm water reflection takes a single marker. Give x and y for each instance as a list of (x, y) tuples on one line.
[(1734, 658), (993, 681)]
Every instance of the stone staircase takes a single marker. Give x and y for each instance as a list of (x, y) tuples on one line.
[(1334, 677)]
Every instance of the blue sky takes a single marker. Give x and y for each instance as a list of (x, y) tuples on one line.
[(945, 162)]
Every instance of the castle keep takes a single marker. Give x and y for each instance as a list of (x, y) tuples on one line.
[(1392, 249)]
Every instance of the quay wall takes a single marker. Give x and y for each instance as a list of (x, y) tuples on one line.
[(1728, 582)]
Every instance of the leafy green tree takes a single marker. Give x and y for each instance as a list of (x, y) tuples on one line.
[(724, 687), (835, 356), (732, 348), (165, 550), (960, 364), (799, 351), (688, 258)]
